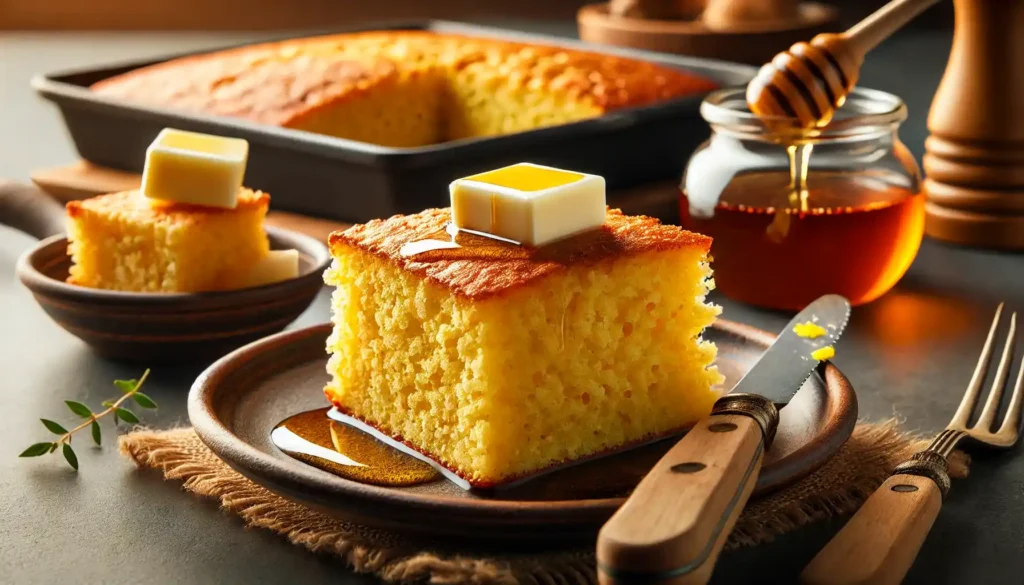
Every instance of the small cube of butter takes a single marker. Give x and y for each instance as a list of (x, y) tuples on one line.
[(276, 266), (530, 204), (200, 169)]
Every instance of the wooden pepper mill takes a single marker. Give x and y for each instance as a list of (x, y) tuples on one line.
[(974, 157)]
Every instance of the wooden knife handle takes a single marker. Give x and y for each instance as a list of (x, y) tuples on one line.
[(879, 544), (673, 526)]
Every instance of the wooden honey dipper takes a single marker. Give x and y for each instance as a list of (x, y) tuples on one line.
[(811, 80)]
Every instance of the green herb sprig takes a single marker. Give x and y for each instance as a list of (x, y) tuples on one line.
[(130, 388)]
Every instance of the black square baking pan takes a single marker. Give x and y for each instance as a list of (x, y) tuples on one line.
[(347, 180)]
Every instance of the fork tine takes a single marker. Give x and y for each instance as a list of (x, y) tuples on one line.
[(988, 414), (1012, 420), (963, 412)]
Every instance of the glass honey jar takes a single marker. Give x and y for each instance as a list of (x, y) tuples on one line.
[(796, 214)]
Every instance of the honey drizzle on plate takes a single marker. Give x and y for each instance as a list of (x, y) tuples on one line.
[(313, 438)]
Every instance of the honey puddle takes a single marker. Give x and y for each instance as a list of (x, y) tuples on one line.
[(313, 438)]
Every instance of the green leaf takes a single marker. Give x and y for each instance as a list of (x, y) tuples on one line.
[(108, 403), (78, 408), (126, 386), (143, 400), (54, 427), (53, 447), (69, 454), (37, 450), (96, 432), (126, 415)]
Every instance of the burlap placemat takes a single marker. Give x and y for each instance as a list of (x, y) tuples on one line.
[(837, 488)]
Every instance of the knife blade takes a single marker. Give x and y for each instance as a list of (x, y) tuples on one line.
[(673, 526), (787, 363)]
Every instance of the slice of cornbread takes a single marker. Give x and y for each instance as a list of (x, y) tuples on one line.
[(125, 241), (499, 361)]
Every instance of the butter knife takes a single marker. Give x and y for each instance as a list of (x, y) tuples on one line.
[(673, 526)]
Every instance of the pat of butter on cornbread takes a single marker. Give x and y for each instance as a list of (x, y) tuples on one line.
[(499, 366), (200, 169), (529, 204)]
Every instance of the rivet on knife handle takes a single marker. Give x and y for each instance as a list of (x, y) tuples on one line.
[(672, 528)]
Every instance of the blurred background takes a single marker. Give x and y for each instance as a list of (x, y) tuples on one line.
[(320, 14), (39, 36)]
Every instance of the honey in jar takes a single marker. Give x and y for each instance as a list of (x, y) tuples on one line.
[(794, 217)]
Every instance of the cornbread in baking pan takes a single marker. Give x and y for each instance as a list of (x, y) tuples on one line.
[(127, 242), (499, 361), (403, 88)]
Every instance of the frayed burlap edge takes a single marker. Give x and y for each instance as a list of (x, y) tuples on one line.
[(837, 488)]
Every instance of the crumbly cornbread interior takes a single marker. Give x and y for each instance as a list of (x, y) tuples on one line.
[(404, 88), (127, 242), (583, 359)]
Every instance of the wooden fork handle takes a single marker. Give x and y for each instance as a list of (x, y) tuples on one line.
[(879, 544), (673, 526)]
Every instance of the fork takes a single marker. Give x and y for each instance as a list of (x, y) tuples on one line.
[(878, 545)]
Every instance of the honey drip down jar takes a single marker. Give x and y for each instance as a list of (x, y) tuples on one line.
[(796, 214)]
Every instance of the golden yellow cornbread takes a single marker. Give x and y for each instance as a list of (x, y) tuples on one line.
[(125, 241), (403, 88), (499, 361)]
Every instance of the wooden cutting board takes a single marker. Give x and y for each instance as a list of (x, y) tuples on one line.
[(82, 180)]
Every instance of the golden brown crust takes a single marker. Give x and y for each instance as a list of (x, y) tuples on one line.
[(266, 90), (274, 83), (484, 267), (138, 206)]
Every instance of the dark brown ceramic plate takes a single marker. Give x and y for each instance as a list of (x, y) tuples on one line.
[(154, 327), (236, 403)]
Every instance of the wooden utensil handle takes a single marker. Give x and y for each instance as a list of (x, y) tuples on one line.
[(879, 544), (31, 211), (868, 33), (673, 526)]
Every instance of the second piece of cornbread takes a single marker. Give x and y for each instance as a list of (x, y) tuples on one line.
[(499, 361), (124, 241)]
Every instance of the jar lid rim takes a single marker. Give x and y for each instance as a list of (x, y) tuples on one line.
[(728, 108)]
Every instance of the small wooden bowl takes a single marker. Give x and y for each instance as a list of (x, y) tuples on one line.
[(155, 327), (753, 43)]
